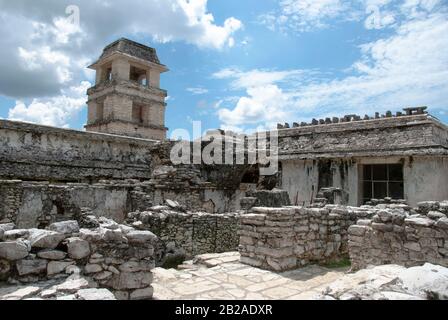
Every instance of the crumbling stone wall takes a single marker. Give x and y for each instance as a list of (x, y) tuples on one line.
[(357, 137), (402, 236), (109, 255), (38, 204), (51, 156), (184, 235), (286, 238), (34, 152)]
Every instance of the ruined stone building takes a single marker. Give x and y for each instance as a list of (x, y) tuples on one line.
[(121, 163), (402, 156), (90, 214)]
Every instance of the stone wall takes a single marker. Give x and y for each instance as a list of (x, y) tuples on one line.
[(389, 136), (184, 235), (402, 236), (101, 253), (38, 204), (286, 238), (34, 152), (99, 167)]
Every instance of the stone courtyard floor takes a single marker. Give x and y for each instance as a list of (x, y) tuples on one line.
[(223, 277)]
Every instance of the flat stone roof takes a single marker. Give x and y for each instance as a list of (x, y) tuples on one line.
[(87, 135), (133, 49)]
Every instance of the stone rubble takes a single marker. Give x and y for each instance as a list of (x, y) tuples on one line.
[(109, 259), (391, 282), (401, 235)]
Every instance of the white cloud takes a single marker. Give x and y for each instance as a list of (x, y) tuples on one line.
[(44, 58), (264, 103), (55, 111), (306, 15), (407, 68), (294, 16), (256, 77), (197, 90), (43, 50)]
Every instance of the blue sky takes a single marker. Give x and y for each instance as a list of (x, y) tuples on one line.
[(254, 64)]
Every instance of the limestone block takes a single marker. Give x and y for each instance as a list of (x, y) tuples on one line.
[(122, 295), (275, 252), (299, 250), (72, 285), (77, 248), (65, 227), (426, 206), (90, 235), (301, 229), (51, 254), (385, 216), (55, 267), (45, 239), (281, 264), (7, 226), (141, 237), (92, 268), (356, 239), (251, 261), (112, 235), (134, 266), (95, 294), (357, 230), (103, 275), (15, 234), (383, 227), (419, 222), (142, 294), (13, 250), (414, 246), (128, 280), (32, 266), (442, 223), (246, 240)]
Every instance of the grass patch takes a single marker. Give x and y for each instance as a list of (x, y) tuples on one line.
[(172, 262), (342, 263)]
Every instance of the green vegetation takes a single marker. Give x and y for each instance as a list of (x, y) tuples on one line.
[(344, 262)]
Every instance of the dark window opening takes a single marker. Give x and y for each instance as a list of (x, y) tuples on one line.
[(251, 176), (106, 73), (100, 111), (109, 74), (139, 76), (382, 180), (59, 207), (137, 114), (325, 174)]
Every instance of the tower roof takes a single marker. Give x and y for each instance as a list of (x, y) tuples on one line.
[(130, 48)]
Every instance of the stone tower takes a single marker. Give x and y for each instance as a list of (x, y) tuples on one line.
[(127, 99)]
